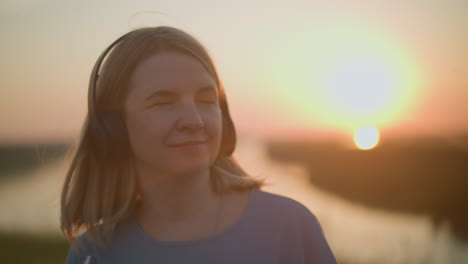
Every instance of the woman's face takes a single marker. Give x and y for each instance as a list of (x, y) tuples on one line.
[(172, 114)]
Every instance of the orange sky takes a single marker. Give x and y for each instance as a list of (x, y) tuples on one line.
[(295, 66)]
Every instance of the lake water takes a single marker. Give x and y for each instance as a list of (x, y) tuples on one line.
[(30, 203)]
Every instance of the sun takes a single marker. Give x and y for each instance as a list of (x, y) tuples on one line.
[(366, 137)]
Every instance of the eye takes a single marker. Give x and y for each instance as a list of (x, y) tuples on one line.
[(209, 100), (162, 103)]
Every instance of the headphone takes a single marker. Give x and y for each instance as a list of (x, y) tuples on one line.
[(109, 134)]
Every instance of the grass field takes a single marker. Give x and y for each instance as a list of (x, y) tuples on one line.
[(22, 248)]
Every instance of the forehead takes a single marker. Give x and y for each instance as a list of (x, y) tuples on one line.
[(169, 70)]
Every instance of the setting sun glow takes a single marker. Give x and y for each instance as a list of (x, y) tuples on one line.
[(346, 74), (366, 137)]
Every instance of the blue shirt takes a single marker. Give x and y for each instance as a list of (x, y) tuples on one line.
[(272, 229)]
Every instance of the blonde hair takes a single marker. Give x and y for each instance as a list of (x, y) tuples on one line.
[(100, 188)]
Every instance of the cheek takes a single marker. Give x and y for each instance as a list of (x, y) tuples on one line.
[(217, 134), (146, 132), (214, 123)]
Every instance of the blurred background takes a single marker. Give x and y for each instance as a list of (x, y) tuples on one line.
[(357, 109)]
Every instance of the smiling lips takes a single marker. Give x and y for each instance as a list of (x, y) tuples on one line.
[(188, 143)]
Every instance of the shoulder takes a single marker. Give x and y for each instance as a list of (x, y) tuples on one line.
[(276, 204), (86, 249), (300, 234), (122, 236), (83, 252), (282, 213)]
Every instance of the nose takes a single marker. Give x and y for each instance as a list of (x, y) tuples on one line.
[(190, 118)]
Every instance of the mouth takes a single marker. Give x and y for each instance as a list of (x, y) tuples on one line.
[(188, 143)]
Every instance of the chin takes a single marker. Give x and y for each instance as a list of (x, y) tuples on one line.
[(192, 167)]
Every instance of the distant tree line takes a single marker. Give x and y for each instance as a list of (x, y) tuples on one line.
[(18, 159)]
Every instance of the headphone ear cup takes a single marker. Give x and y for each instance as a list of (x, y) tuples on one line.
[(117, 145)]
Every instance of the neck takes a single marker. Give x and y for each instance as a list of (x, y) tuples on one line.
[(176, 198)]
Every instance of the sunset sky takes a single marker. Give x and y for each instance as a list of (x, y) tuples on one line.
[(308, 68)]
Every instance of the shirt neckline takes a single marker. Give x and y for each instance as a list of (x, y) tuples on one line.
[(247, 211)]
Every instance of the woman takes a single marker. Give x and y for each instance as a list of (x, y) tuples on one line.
[(153, 179)]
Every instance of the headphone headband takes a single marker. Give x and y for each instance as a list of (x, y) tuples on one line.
[(92, 97), (97, 67)]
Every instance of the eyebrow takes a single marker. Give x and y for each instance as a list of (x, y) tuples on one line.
[(170, 93)]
